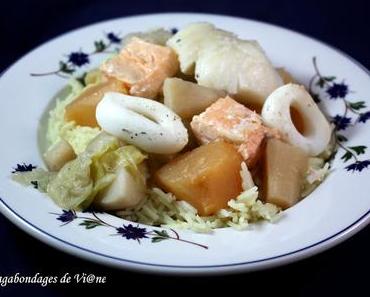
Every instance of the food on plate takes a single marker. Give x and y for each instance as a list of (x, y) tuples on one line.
[(207, 177), (157, 36), (148, 124), (83, 108), (317, 171), (188, 99), (58, 155), (231, 121), (189, 42), (192, 130), (128, 188), (143, 66), (276, 113), (93, 77), (223, 61), (92, 176), (283, 172), (57, 126)]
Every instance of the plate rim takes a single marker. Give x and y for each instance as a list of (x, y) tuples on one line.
[(270, 262), (98, 257)]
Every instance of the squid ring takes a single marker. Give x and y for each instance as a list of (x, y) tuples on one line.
[(145, 123), (276, 113)]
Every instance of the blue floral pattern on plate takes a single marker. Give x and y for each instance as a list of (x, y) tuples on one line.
[(110, 44), (327, 87), (23, 168), (126, 231)]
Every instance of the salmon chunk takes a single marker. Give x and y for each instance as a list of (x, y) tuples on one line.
[(231, 121), (143, 66)]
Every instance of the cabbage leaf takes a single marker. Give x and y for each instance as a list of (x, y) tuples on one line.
[(79, 181)]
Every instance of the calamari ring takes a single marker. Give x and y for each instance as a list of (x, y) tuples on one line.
[(145, 123), (276, 113)]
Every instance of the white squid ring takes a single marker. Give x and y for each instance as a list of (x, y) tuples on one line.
[(276, 113), (145, 123)]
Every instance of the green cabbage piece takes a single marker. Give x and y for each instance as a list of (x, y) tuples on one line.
[(104, 168), (73, 184), (39, 178), (80, 180), (127, 156)]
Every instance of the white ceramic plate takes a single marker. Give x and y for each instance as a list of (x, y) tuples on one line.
[(334, 212)]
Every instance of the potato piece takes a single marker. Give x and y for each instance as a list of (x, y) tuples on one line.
[(283, 173), (187, 98), (58, 155), (124, 192), (207, 177), (82, 109)]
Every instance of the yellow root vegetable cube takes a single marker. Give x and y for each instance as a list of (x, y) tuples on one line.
[(206, 177), (82, 109)]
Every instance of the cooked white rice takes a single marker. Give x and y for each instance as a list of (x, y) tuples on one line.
[(162, 209), (317, 171)]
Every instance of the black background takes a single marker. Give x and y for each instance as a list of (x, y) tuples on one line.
[(340, 271)]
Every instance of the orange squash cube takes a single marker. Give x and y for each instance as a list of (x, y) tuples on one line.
[(206, 177), (82, 109)]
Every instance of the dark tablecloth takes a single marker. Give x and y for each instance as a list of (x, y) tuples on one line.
[(337, 272)]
